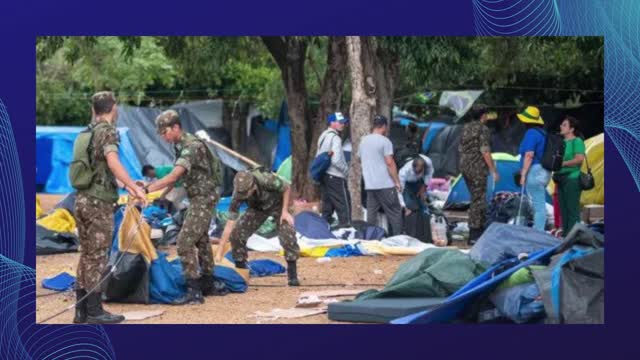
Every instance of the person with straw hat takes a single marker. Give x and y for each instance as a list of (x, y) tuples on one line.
[(532, 175)]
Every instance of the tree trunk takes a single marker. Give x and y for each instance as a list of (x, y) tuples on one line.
[(361, 59), (387, 68), (331, 92), (289, 53)]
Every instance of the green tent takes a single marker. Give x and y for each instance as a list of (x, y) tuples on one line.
[(285, 169), (432, 273)]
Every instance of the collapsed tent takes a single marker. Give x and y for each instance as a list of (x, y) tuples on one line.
[(144, 275), (573, 293), (55, 233)]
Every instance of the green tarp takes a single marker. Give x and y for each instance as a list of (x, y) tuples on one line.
[(432, 273)]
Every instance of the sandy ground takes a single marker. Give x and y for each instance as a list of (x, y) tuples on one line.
[(264, 294)]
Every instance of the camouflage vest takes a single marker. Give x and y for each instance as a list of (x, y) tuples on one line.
[(103, 186), (205, 175)]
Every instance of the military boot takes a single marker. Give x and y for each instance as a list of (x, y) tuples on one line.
[(81, 307), (292, 273), (211, 286), (193, 295), (96, 314), (241, 265)]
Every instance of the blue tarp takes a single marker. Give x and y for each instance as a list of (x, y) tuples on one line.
[(54, 152), (312, 226), (61, 282), (503, 241)]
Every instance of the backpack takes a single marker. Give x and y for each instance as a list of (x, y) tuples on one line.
[(215, 170), (320, 164), (553, 154), (81, 171)]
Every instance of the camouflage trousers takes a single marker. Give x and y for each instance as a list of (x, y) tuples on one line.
[(251, 221), (94, 219), (477, 185), (194, 247)]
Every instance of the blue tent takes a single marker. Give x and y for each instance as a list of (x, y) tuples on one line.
[(54, 152), (506, 165), (431, 134)]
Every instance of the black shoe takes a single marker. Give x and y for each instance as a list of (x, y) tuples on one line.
[(292, 273), (96, 314), (193, 295), (211, 286), (241, 265), (81, 307)]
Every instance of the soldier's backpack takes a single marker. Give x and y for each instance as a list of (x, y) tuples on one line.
[(81, 170), (553, 151), (215, 166)]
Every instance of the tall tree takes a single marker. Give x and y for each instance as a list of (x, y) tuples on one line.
[(361, 60)]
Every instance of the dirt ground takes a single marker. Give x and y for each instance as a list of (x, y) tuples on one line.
[(264, 294)]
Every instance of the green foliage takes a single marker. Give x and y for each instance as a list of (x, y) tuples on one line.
[(80, 66), (165, 70)]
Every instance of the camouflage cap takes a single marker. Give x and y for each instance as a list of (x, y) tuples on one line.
[(166, 119), (242, 184)]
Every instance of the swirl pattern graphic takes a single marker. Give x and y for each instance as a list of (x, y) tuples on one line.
[(20, 337)]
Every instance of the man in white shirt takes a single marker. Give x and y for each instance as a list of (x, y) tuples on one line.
[(415, 176), (333, 186), (381, 176)]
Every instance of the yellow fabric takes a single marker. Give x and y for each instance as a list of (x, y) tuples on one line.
[(60, 220), (375, 247), (150, 197), (317, 251), (38, 208), (594, 147), (134, 235)]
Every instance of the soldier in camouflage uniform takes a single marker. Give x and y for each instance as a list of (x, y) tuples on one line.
[(94, 209), (197, 168), (267, 195), (475, 164)]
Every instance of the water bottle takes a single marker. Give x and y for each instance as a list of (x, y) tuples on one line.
[(438, 231)]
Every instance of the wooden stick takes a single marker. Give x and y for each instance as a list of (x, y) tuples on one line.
[(204, 136)]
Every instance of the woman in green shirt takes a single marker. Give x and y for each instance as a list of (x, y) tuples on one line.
[(567, 178)]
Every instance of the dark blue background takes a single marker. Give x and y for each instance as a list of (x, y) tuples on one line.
[(21, 22)]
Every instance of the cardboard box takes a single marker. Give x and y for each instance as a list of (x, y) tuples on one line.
[(591, 213)]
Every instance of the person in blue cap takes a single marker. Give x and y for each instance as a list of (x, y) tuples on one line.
[(333, 186)]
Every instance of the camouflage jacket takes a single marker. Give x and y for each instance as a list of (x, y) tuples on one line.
[(267, 196), (193, 155), (105, 140), (475, 139)]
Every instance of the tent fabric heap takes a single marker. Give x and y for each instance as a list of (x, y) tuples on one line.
[(55, 233)]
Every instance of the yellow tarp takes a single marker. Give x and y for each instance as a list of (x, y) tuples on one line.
[(60, 220), (38, 208), (150, 197), (375, 247), (595, 154), (134, 235)]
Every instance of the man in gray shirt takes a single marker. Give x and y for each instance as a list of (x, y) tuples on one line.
[(333, 186), (381, 176)]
